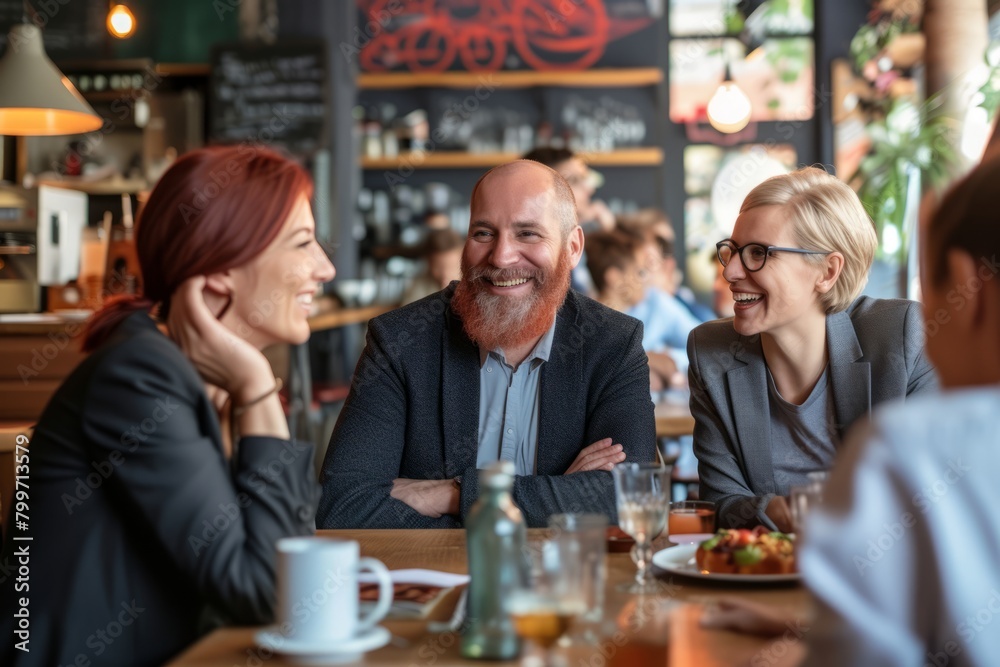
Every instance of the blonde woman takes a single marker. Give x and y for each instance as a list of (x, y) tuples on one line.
[(774, 388)]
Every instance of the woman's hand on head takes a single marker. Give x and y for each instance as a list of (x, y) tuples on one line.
[(221, 356)]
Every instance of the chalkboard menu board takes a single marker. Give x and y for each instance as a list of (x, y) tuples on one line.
[(274, 94), (70, 30)]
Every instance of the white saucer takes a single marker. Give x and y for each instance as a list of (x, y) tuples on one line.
[(320, 653)]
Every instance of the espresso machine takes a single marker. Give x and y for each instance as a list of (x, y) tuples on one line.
[(40, 233)]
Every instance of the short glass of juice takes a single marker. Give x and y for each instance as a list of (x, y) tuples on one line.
[(691, 521)]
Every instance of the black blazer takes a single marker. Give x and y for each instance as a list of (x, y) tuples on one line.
[(413, 411), (138, 520)]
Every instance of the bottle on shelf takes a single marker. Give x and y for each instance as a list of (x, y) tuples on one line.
[(495, 542), (124, 275), (371, 135)]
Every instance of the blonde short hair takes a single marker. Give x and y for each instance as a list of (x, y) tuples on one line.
[(826, 214)]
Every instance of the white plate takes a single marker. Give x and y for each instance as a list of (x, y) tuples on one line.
[(690, 538), (680, 560), (320, 653)]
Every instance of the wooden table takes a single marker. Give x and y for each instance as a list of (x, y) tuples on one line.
[(673, 419), (37, 352), (344, 316), (674, 616), (300, 420)]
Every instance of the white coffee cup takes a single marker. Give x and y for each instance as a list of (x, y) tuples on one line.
[(318, 590)]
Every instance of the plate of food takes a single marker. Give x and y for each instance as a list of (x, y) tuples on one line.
[(749, 556)]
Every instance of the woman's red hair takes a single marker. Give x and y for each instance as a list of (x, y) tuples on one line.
[(215, 208)]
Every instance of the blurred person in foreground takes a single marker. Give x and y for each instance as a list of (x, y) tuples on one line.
[(593, 214), (442, 253), (145, 514), (508, 363), (902, 557), (617, 262), (774, 389)]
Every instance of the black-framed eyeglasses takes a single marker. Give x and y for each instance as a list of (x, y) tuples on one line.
[(754, 255)]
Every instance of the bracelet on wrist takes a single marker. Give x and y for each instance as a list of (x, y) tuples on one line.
[(240, 409)]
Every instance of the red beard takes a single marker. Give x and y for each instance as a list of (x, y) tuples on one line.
[(493, 321)]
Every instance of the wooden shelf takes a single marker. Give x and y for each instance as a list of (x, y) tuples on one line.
[(183, 69), (625, 157), (116, 186), (616, 78)]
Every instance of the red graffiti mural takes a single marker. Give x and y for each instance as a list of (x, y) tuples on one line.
[(432, 35)]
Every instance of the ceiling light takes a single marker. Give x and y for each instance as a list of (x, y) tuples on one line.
[(121, 21), (729, 109), (35, 98)]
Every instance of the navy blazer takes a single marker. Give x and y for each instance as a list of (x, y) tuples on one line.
[(413, 412), (876, 353)]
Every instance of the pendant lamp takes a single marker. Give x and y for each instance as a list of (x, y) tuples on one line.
[(729, 109), (35, 97)]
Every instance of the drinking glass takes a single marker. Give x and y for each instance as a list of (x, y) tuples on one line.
[(93, 265), (803, 498), (543, 608), (583, 539), (691, 521), (818, 476), (642, 492)]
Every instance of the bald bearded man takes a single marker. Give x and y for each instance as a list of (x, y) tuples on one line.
[(506, 363)]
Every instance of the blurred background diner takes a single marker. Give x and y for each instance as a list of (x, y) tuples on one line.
[(662, 116)]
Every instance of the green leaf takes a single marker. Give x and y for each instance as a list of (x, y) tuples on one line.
[(991, 89), (711, 543), (748, 555)]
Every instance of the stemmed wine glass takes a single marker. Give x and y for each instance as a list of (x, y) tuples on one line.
[(544, 608), (642, 491)]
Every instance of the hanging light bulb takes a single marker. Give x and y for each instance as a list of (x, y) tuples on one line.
[(121, 21), (729, 109)]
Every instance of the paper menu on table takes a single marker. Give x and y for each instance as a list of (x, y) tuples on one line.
[(419, 576), (417, 593)]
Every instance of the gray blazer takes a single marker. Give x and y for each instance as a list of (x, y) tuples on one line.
[(876, 354), (413, 412)]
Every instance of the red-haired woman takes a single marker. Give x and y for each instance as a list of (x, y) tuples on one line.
[(143, 514)]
